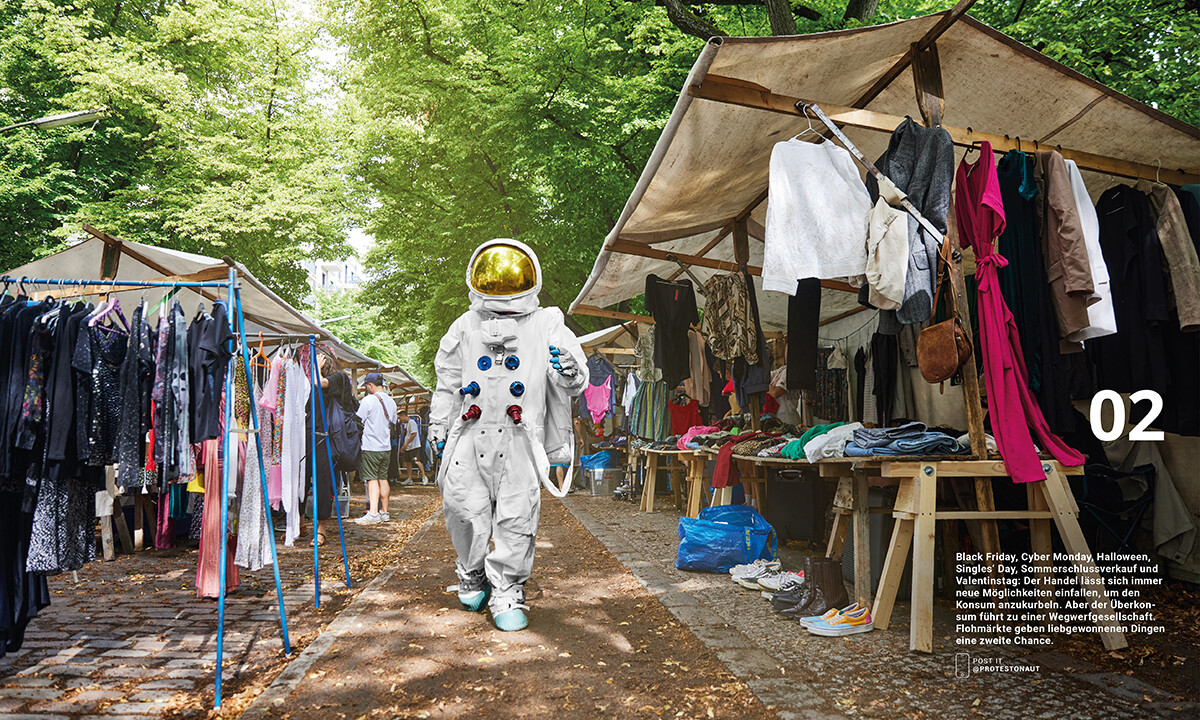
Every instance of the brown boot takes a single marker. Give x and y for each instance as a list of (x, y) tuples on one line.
[(829, 591)]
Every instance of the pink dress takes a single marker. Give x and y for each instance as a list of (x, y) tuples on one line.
[(979, 212)]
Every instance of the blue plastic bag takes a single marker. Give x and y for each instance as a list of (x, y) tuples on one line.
[(724, 536), (597, 461)]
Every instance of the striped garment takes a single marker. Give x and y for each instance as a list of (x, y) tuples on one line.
[(649, 418)]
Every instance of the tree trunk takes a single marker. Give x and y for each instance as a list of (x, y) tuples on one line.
[(689, 22), (861, 10), (779, 13)]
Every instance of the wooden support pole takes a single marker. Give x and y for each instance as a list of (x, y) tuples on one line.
[(746, 94), (924, 531), (862, 538)]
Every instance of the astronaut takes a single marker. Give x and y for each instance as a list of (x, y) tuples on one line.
[(506, 372)]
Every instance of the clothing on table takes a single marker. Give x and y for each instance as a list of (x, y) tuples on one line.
[(725, 471), (878, 437), (729, 325), (1178, 251), (1101, 320), (979, 213), (920, 162), (831, 444), (672, 303), (817, 207), (684, 416), (926, 443), (1064, 251), (803, 320)]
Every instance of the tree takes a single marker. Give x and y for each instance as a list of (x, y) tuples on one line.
[(212, 144)]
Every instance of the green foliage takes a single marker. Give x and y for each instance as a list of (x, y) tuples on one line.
[(213, 143), (357, 324)]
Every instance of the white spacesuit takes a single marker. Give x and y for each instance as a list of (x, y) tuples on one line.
[(506, 371)]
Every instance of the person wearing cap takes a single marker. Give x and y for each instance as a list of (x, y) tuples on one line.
[(378, 413)]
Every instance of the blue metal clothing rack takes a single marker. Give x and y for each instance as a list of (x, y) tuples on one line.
[(238, 330)]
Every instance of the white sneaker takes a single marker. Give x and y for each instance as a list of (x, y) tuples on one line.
[(385, 517), (424, 481), (749, 579), (778, 581), (369, 519), (741, 570), (406, 481)]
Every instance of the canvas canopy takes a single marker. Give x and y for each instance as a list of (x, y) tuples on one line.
[(710, 166), (264, 311), (610, 337)]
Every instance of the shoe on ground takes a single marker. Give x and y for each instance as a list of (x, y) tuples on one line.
[(829, 615), (778, 581), (474, 600), (743, 570), (369, 519), (424, 481), (511, 620), (844, 623), (406, 481), (385, 517), (749, 579)]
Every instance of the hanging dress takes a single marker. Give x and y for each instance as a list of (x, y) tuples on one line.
[(979, 212)]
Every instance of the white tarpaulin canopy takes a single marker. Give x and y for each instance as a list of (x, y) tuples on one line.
[(710, 165), (264, 311)]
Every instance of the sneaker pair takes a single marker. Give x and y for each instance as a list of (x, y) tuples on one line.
[(850, 620), (749, 577), (369, 519), (775, 582), (740, 570)]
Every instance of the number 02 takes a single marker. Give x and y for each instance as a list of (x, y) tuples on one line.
[(1139, 432)]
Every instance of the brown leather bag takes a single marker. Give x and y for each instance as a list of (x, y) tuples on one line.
[(945, 347)]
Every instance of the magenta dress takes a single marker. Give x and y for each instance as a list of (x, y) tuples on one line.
[(979, 212)]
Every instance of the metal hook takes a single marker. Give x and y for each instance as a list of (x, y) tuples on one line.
[(803, 108), (1018, 143), (1157, 170)]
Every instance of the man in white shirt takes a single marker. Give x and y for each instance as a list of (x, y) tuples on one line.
[(378, 412), (410, 449)]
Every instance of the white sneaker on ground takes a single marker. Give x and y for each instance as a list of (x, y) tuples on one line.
[(741, 570), (749, 579), (369, 519), (424, 481), (778, 581), (385, 517), (406, 481)]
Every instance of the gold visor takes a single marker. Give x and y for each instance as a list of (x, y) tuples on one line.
[(503, 270)]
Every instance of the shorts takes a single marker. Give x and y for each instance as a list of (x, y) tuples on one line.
[(374, 465), (411, 456)]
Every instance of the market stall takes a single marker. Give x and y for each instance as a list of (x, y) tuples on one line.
[(700, 212)]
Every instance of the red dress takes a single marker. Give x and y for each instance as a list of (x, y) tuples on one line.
[(979, 212)]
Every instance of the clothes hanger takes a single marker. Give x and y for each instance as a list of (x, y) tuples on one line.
[(803, 107), (259, 358)]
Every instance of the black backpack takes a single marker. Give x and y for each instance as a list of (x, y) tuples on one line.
[(345, 436)]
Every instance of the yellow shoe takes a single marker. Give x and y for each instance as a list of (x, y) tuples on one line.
[(844, 623), (829, 615)]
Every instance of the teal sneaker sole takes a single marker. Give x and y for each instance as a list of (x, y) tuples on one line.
[(511, 620), (474, 601)]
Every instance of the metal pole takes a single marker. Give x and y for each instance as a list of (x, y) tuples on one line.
[(312, 462), (221, 491), (116, 283), (332, 480), (262, 473)]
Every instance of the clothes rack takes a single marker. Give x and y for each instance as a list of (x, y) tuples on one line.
[(237, 328)]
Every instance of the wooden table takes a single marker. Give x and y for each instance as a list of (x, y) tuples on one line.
[(917, 514), (675, 464)]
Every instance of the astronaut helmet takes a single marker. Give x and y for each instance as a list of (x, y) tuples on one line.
[(504, 276)]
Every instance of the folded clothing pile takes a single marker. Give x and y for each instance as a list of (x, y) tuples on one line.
[(913, 438)]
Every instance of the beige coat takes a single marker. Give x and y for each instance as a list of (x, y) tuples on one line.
[(1179, 254), (1063, 248)]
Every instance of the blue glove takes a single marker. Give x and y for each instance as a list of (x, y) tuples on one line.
[(563, 362)]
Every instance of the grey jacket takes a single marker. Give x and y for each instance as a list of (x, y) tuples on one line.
[(920, 161)]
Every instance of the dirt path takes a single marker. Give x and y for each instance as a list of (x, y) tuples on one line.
[(597, 646)]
